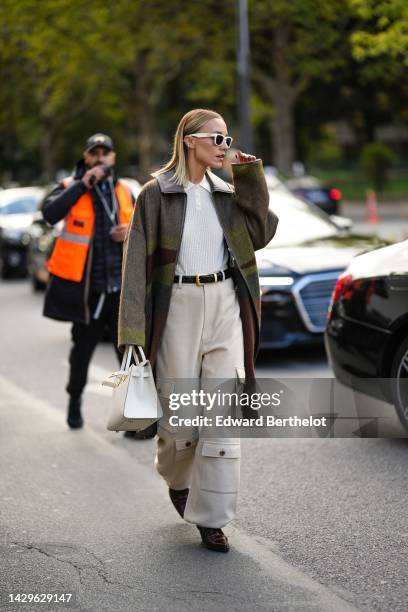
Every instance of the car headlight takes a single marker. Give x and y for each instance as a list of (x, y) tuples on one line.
[(274, 275), (275, 284), (276, 281)]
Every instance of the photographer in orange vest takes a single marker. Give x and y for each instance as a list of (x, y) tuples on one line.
[(86, 263)]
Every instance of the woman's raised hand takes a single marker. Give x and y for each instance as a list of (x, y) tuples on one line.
[(244, 158)]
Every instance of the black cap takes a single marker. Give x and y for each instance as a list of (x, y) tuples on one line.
[(99, 140)]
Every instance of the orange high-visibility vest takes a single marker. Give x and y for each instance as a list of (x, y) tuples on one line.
[(70, 252)]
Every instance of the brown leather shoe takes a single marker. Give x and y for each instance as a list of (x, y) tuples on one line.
[(179, 500), (214, 539)]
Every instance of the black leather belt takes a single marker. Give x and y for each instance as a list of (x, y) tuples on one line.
[(201, 279)]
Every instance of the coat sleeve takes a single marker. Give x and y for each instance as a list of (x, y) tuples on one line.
[(58, 203), (252, 196), (132, 321)]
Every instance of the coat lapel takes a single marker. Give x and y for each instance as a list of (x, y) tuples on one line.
[(167, 183)]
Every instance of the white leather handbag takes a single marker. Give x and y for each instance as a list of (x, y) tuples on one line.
[(136, 404)]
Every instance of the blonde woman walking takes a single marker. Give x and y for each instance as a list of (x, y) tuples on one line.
[(190, 297)]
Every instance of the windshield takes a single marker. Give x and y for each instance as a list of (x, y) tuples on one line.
[(298, 222), (22, 205)]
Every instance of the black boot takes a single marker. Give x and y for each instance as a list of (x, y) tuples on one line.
[(74, 418)]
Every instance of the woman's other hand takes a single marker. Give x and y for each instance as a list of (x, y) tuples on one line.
[(244, 158)]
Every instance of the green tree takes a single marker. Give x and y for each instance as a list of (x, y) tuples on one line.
[(382, 31), (172, 56), (293, 43), (130, 67), (376, 160), (55, 55)]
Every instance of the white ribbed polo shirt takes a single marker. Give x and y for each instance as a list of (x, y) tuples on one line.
[(203, 249)]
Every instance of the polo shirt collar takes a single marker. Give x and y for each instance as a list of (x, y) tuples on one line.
[(204, 184)]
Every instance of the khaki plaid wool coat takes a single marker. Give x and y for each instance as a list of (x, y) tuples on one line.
[(152, 244)]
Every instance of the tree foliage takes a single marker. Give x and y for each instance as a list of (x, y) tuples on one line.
[(293, 44), (383, 30), (376, 160), (132, 68)]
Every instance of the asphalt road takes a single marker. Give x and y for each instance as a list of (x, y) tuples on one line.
[(321, 523)]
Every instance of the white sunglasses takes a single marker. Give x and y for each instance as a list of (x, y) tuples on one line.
[(219, 139)]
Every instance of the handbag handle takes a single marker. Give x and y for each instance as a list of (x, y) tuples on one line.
[(125, 365), (143, 356), (127, 357)]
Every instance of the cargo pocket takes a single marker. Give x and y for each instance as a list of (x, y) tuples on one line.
[(220, 467), (185, 448)]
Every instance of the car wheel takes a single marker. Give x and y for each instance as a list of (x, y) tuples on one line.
[(399, 382)]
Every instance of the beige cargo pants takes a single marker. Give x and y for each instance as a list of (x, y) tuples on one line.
[(202, 346)]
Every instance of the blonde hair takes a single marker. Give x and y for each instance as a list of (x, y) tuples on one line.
[(189, 124)]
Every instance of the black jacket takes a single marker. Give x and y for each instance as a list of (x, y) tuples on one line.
[(68, 300)]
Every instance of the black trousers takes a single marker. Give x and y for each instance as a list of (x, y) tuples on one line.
[(86, 337)]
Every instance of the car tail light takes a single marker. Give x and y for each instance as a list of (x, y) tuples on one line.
[(341, 289), (335, 194)]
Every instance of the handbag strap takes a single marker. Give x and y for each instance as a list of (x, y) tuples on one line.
[(127, 355), (130, 350), (125, 365), (143, 356)]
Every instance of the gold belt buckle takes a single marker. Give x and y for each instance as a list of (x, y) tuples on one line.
[(197, 281), (215, 274)]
